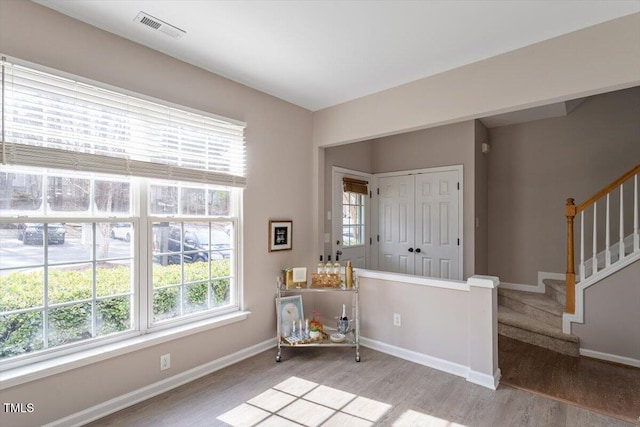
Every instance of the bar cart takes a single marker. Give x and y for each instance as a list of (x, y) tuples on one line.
[(298, 339)]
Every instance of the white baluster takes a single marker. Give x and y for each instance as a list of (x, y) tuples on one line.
[(582, 270), (608, 238), (594, 260), (621, 255), (636, 233)]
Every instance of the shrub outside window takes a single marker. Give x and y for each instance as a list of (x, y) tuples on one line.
[(63, 280)]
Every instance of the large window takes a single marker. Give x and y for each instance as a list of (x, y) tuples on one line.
[(94, 245)]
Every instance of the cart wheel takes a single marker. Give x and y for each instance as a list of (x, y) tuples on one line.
[(357, 357), (278, 358)]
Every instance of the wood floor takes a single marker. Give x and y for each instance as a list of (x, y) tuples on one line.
[(415, 393), (603, 387)]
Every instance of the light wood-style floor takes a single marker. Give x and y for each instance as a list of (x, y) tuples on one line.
[(432, 396)]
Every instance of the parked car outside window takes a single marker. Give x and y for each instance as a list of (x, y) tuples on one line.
[(31, 233), (220, 244), (121, 231), (195, 244)]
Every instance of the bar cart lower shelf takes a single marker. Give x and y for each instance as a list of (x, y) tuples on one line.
[(351, 336), (324, 343)]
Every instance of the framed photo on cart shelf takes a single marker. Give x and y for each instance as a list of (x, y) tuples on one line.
[(280, 235), (290, 309)]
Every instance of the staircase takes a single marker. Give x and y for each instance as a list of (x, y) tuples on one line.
[(545, 319), (536, 318)]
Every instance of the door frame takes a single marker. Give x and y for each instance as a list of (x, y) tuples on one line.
[(369, 226), (456, 168)]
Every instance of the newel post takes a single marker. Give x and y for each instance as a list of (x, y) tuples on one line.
[(570, 212)]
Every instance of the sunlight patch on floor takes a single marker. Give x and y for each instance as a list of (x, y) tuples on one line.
[(298, 402), (413, 418)]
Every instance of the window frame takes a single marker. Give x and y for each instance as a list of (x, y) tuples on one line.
[(141, 265), (143, 329), (360, 206)]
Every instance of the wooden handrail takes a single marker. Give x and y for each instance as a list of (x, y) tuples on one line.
[(607, 189), (571, 210)]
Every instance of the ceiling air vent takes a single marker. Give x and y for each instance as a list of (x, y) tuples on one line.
[(159, 25)]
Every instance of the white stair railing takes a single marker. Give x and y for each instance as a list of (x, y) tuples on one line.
[(612, 254)]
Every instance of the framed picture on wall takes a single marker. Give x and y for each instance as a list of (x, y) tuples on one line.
[(280, 235)]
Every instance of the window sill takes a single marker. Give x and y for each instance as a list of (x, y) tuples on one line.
[(38, 370)]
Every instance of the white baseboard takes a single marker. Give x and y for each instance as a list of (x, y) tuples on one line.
[(144, 393), (539, 288), (420, 358), (610, 357), (520, 287), (542, 275), (485, 380)]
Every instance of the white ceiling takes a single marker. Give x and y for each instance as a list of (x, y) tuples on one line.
[(316, 54)]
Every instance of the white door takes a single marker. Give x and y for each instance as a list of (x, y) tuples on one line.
[(350, 221), (419, 224), (436, 233), (396, 230)]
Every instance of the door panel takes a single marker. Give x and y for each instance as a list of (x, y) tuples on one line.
[(445, 269), (426, 266), (426, 219), (444, 225), (439, 219), (397, 212), (403, 264)]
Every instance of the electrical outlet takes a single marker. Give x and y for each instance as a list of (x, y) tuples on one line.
[(397, 319), (165, 361)]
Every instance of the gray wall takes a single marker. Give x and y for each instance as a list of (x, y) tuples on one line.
[(421, 329), (612, 315), (278, 133), (535, 166), (481, 201)]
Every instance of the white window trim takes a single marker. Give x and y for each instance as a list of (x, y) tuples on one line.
[(38, 370)]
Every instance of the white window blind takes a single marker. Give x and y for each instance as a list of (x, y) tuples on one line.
[(55, 122)]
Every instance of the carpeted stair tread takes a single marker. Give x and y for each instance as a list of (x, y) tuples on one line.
[(539, 301), (558, 285), (518, 320)]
